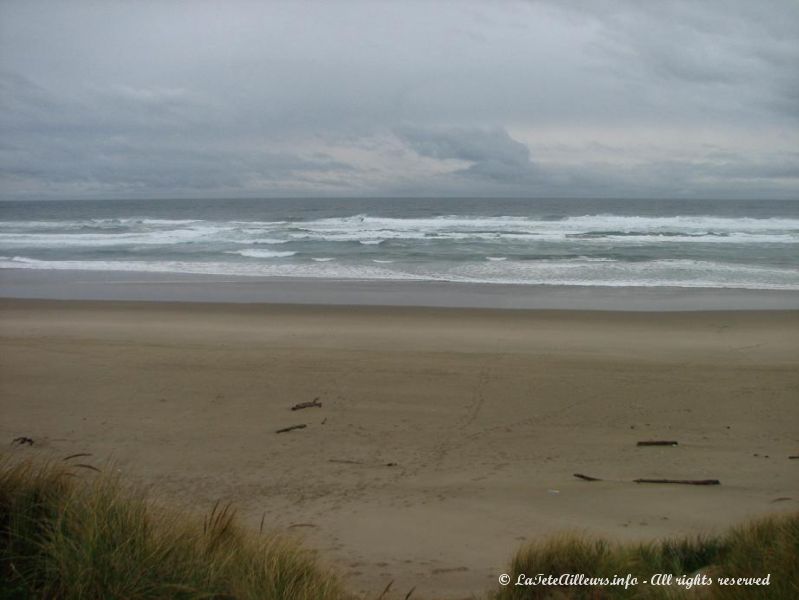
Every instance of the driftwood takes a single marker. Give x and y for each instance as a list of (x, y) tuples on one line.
[(292, 428), (657, 443), (312, 404), (586, 477), (681, 481), (794, 457), (357, 462), (22, 441)]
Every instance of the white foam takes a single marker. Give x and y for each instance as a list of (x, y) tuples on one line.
[(263, 253), (72, 240), (571, 272), (161, 222), (617, 228), (587, 229), (485, 249), (327, 270), (657, 273), (257, 241)]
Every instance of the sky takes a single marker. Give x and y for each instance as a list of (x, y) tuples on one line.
[(537, 98)]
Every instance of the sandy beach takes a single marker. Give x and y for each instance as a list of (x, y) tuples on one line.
[(446, 437)]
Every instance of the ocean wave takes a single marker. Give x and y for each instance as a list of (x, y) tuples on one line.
[(327, 270), (570, 272), (259, 241), (262, 253), (67, 240), (586, 223), (372, 230), (600, 249)]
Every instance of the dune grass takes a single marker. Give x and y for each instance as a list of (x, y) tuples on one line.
[(768, 546), (67, 533)]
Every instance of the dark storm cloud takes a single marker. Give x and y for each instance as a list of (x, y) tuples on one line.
[(567, 98), (493, 153)]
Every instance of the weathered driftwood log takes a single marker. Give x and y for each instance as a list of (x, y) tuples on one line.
[(292, 428), (586, 477), (312, 404), (681, 481), (657, 443)]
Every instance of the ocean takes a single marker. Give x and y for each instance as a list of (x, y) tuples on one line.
[(617, 243)]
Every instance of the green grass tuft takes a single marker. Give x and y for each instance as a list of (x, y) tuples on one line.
[(756, 549), (64, 536)]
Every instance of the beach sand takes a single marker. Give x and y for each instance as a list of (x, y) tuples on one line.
[(446, 437)]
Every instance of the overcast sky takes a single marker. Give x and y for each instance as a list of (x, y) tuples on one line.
[(539, 98)]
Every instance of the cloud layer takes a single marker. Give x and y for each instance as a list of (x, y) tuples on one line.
[(538, 98)]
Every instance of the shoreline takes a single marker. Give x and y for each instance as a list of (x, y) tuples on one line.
[(446, 437), (174, 287)]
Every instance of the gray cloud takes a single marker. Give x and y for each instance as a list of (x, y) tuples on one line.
[(541, 97), (493, 153), (133, 141)]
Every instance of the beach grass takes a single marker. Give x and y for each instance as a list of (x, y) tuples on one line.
[(768, 546), (68, 533)]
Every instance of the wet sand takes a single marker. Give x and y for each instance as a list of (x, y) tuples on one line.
[(446, 437), (186, 287)]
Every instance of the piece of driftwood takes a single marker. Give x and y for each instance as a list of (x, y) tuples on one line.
[(357, 462), (291, 428), (312, 404), (681, 481), (22, 440), (586, 477), (657, 443), (794, 457)]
